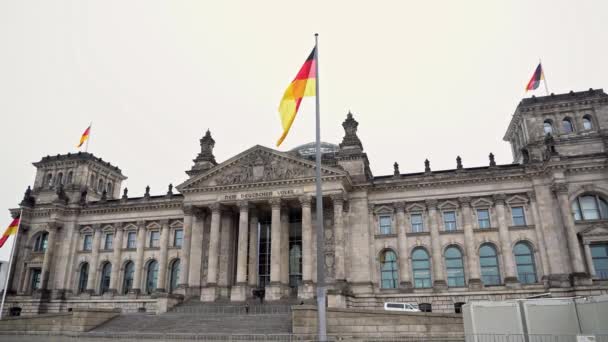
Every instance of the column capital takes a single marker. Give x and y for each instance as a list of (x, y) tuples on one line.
[(431, 204), (215, 207), (399, 206), (243, 205), (305, 200), (531, 195), (188, 209), (499, 199), (95, 226), (559, 188), (141, 224), (338, 199), (275, 203), (164, 223), (54, 225), (370, 207), (465, 201)]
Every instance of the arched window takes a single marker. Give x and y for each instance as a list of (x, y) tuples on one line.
[(488, 262), (589, 207), (524, 258), (70, 177), (151, 276), (59, 178), (421, 268), (587, 123), (109, 188), (41, 242), (49, 180), (454, 266), (127, 282), (174, 281), (92, 182), (548, 127), (599, 255), (106, 272), (388, 270), (567, 126), (100, 185), (83, 277)]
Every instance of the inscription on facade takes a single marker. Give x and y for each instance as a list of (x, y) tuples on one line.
[(260, 195)]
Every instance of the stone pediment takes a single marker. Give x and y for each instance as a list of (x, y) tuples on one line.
[(257, 165), (596, 230)]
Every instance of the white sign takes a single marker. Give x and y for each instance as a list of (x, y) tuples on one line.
[(260, 195)]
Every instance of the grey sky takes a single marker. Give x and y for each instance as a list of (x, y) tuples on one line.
[(425, 79)]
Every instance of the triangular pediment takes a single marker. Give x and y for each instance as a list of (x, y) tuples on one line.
[(259, 165), (595, 230)]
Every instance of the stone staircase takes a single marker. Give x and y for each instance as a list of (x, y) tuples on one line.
[(195, 317)]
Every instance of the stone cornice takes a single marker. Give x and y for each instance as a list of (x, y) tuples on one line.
[(270, 184)]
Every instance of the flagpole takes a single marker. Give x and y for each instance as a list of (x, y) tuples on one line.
[(544, 77), (10, 264), (321, 314), (86, 148)]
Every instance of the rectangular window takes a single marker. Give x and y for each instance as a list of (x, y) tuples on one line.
[(132, 240), (385, 224), (107, 244), (154, 238), (35, 283), (417, 225), (88, 243), (483, 218), (518, 216), (178, 238), (449, 220)]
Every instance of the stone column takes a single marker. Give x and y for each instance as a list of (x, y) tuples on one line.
[(274, 289), (404, 272), (578, 268), (340, 274), (139, 257), (306, 290), (209, 293), (184, 266), (540, 236), (470, 245), (252, 273), (239, 291), (284, 245), (196, 253), (48, 257), (589, 260), (505, 241), (162, 262), (94, 265), (439, 279), (116, 258)]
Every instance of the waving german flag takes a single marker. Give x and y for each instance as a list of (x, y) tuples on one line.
[(84, 136), (536, 78), (302, 85), (11, 230)]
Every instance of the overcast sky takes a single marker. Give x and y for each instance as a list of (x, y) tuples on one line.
[(425, 79)]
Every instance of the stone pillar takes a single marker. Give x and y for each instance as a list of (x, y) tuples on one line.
[(274, 289), (505, 241), (439, 279), (285, 246), (252, 273), (116, 258), (94, 265), (404, 272), (306, 290), (340, 274), (162, 262), (196, 254), (470, 245), (589, 260), (209, 293), (540, 236), (184, 269), (48, 257), (578, 268), (239, 291), (139, 257)]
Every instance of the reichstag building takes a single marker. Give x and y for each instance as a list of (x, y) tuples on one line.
[(245, 226)]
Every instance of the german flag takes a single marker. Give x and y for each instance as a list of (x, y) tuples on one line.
[(536, 78), (84, 136), (11, 230), (302, 85)]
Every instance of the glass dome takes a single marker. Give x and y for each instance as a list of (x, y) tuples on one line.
[(310, 149)]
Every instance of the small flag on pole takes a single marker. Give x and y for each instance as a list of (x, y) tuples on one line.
[(302, 85), (536, 78), (11, 230), (85, 136)]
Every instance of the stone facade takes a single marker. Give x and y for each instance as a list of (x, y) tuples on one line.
[(246, 226)]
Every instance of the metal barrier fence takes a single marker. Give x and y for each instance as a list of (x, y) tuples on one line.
[(143, 337)]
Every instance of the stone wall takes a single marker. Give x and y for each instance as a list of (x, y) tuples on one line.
[(376, 322), (30, 306), (78, 320)]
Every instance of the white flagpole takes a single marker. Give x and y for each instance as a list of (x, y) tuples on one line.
[(321, 314), (542, 73), (10, 264), (86, 148)]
